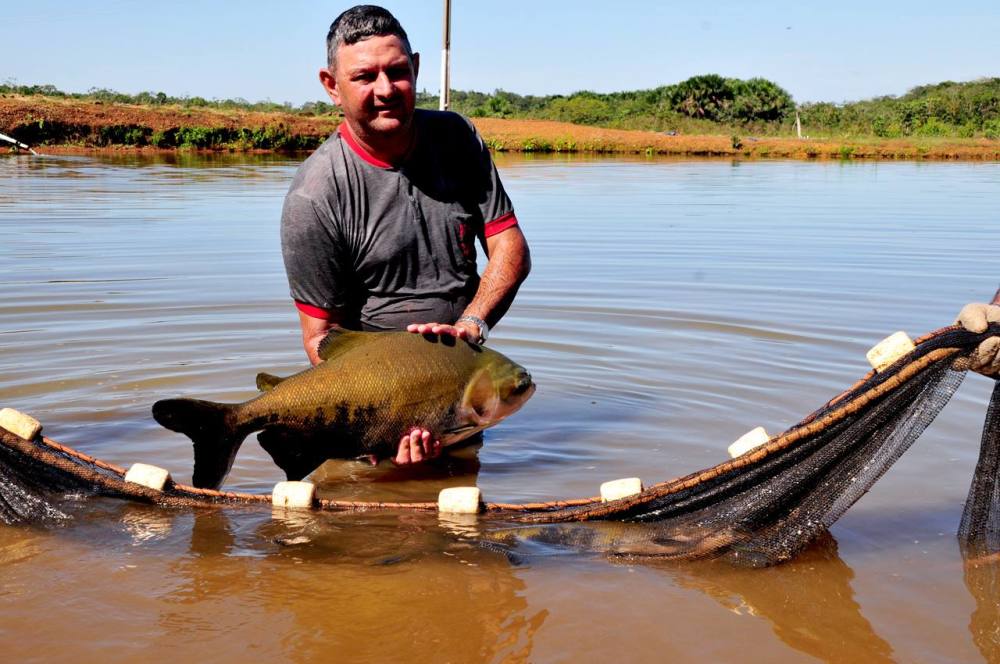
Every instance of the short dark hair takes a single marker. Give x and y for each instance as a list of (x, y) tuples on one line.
[(359, 23)]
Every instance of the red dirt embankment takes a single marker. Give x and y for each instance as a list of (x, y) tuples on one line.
[(15, 111), (28, 116)]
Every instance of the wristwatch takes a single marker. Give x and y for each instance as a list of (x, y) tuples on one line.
[(484, 329)]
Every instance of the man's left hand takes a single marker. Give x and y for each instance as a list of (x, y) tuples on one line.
[(463, 330), (976, 317)]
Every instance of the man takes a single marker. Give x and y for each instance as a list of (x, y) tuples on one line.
[(379, 226)]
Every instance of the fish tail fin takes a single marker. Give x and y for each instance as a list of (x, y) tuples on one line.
[(210, 427)]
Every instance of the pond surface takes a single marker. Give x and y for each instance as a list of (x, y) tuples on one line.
[(673, 306)]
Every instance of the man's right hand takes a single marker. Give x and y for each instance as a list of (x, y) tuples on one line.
[(976, 317)]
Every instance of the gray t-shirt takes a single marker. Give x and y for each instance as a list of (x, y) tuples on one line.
[(386, 245)]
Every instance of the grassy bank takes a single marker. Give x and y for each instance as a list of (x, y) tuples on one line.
[(547, 136), (61, 124)]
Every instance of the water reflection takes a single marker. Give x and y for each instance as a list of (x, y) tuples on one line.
[(982, 578), (808, 602), (387, 588), (391, 585)]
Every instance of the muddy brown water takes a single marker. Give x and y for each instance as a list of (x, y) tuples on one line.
[(673, 306)]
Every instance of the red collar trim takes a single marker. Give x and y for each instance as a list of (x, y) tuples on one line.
[(345, 132)]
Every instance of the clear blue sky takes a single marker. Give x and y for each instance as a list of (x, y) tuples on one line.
[(829, 51)]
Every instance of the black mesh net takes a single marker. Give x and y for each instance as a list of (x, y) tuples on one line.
[(29, 489), (979, 530), (979, 535)]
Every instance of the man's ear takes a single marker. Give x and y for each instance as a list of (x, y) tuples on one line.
[(416, 66), (329, 83)]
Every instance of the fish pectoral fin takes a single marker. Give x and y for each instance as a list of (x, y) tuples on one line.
[(266, 382)]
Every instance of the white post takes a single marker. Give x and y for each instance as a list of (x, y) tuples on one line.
[(798, 124), (445, 57)]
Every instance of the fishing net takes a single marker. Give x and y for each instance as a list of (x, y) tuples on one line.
[(979, 535), (39, 476), (979, 530), (765, 506), (758, 509), (23, 492)]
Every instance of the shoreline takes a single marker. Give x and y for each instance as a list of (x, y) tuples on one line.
[(58, 126)]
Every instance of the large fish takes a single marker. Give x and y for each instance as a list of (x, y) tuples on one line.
[(369, 391)]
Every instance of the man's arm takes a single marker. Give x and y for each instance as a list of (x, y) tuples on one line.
[(508, 266), (314, 330)]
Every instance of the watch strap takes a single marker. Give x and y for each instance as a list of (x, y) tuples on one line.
[(484, 329)]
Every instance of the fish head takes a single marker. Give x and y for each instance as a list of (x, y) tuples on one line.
[(496, 390)]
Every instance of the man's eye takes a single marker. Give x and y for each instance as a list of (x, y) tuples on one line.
[(367, 78)]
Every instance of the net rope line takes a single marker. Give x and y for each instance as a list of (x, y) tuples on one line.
[(83, 467)]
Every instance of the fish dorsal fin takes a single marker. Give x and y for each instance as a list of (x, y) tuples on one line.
[(480, 397), (266, 381), (339, 340)]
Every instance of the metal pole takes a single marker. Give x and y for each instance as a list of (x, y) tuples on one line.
[(5, 137), (445, 57)]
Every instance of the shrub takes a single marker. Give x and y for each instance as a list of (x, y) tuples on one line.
[(932, 127), (122, 135)]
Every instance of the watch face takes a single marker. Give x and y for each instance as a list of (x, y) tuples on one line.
[(484, 329)]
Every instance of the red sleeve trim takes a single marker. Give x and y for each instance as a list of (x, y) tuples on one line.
[(499, 224), (310, 310)]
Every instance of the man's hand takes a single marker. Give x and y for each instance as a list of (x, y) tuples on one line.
[(975, 317), (461, 330), (416, 446)]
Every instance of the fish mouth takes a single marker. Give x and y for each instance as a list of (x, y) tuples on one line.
[(523, 384)]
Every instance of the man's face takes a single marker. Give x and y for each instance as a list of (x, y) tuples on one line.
[(375, 85)]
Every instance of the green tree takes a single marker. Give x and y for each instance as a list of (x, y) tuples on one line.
[(708, 96), (760, 99)]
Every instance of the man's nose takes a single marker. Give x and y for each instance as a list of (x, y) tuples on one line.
[(384, 86)]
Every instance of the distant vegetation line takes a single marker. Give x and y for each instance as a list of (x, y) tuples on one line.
[(711, 104), (707, 104)]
